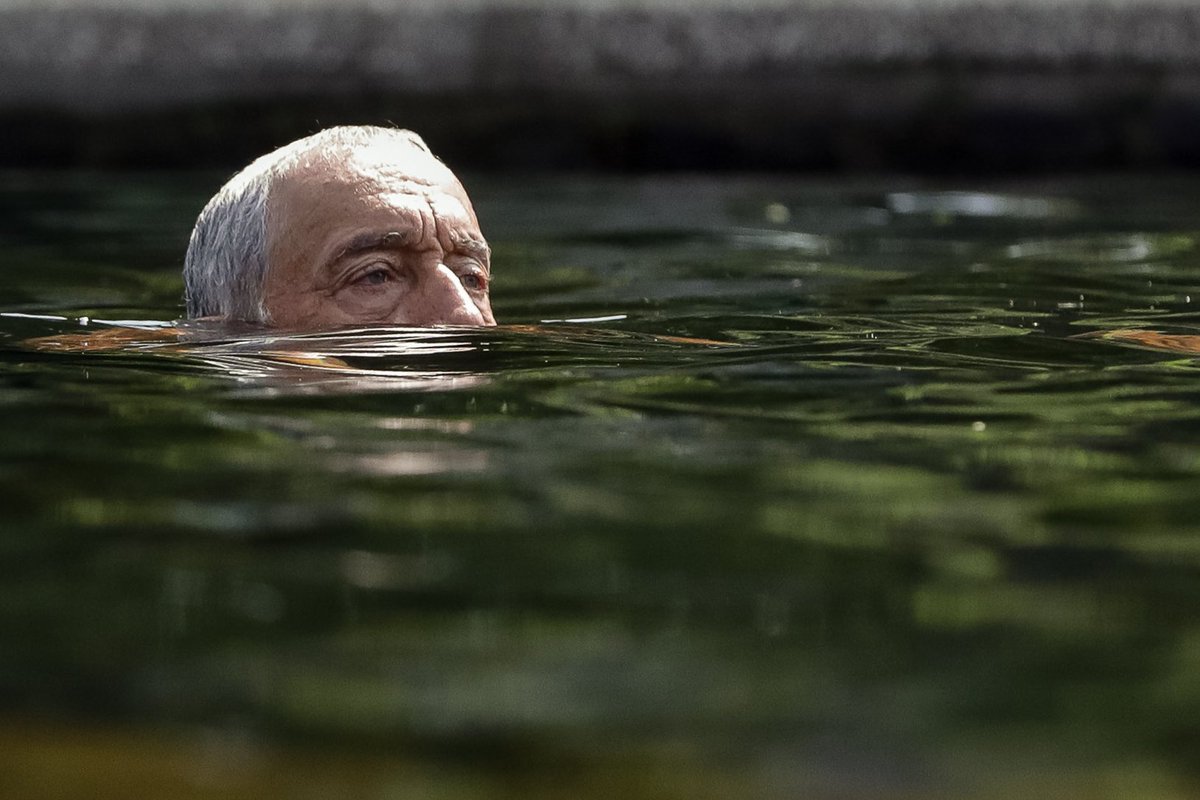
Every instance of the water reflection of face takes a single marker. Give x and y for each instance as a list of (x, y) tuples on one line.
[(387, 235)]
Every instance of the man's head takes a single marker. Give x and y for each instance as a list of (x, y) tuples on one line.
[(354, 225)]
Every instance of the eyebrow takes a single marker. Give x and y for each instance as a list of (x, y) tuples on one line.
[(473, 247), (399, 240), (366, 242)]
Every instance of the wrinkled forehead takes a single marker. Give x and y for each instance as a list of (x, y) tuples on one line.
[(394, 163), (391, 166), (334, 191)]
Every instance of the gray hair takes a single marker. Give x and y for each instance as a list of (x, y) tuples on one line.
[(225, 270)]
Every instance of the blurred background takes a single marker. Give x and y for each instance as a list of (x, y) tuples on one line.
[(931, 86)]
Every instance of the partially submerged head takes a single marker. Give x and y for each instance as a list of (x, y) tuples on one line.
[(353, 225)]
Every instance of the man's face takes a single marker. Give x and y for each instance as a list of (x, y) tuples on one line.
[(387, 235)]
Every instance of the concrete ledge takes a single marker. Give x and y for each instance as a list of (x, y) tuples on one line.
[(791, 84)]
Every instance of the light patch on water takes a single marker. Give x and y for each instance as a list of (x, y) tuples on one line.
[(418, 424), (980, 204), (144, 324), (792, 241), (1132, 249), (46, 317), (777, 214), (396, 465), (287, 380), (586, 320)]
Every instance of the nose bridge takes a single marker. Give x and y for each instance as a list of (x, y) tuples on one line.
[(446, 302)]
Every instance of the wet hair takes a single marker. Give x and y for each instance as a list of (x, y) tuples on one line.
[(225, 270)]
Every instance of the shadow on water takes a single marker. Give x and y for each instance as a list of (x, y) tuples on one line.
[(768, 490)]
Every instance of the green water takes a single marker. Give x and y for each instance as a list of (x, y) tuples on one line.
[(900, 534)]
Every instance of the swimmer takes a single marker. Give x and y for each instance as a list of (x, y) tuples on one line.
[(349, 226)]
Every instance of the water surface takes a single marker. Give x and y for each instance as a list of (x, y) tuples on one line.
[(917, 519)]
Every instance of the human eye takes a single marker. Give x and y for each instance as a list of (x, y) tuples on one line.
[(473, 282), (373, 276)]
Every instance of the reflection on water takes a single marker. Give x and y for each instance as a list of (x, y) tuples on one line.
[(368, 359), (766, 489)]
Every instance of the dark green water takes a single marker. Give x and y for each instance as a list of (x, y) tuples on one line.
[(901, 536)]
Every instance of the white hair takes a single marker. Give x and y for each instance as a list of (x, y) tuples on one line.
[(225, 270)]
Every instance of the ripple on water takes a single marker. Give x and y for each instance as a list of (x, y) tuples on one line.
[(767, 488)]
